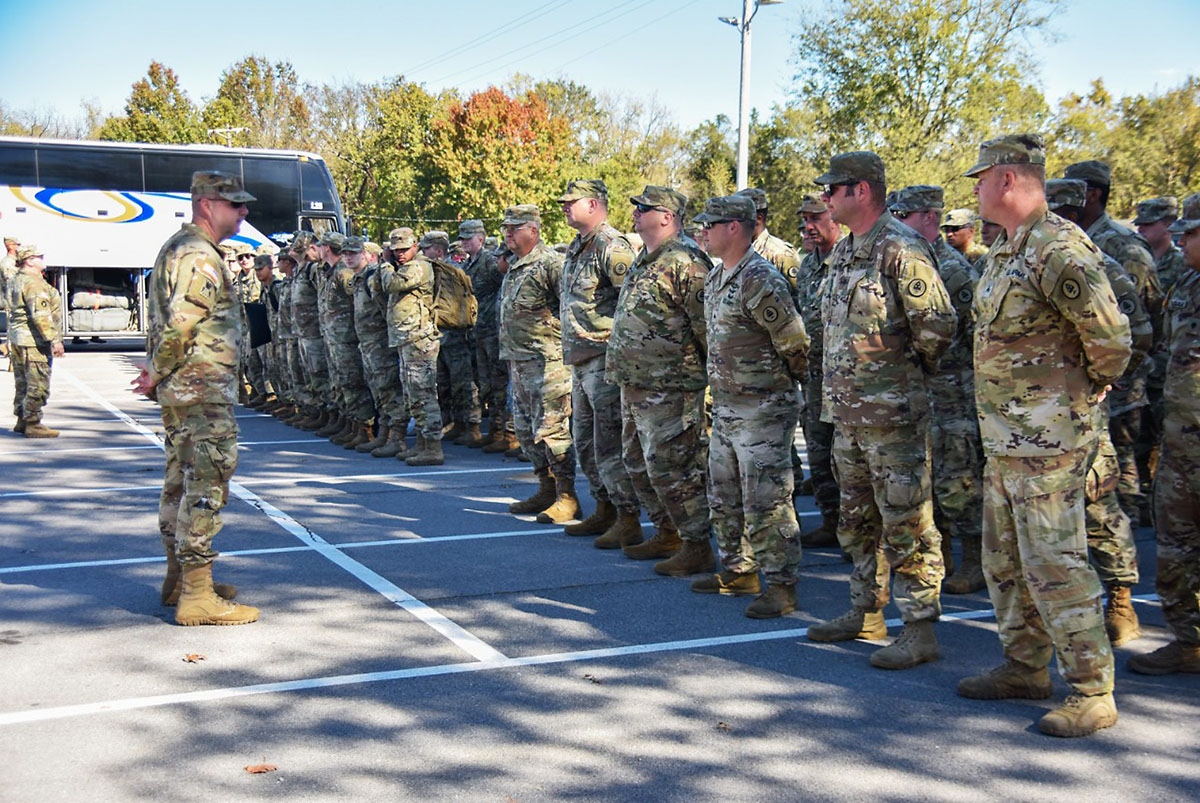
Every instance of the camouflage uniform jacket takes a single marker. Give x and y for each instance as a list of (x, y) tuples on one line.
[(194, 329), (249, 288), (529, 306), (1132, 251), (593, 269), (410, 300), (887, 321), (370, 307), (306, 320), (810, 283), (975, 252), (952, 385), (757, 345), (779, 253), (658, 338), (324, 281), (35, 311), (1170, 267), (282, 291), (1129, 392), (1049, 337), (1181, 328), (340, 305), (8, 271), (484, 270)]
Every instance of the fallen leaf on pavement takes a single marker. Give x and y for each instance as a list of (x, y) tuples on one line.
[(258, 769), (193, 657)]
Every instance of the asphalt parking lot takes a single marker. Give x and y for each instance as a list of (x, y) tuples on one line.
[(418, 642)]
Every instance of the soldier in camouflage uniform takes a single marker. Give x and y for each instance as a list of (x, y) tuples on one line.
[(356, 399), (531, 340), (380, 364), (1177, 487), (1109, 531), (264, 271), (456, 369), (1049, 338), (306, 317), (956, 451), (959, 229), (249, 291), (1129, 249), (757, 351), (192, 342), (595, 265), (283, 336), (8, 270), (35, 339), (331, 305), (411, 331), (481, 266), (656, 354), (887, 319), (823, 232)]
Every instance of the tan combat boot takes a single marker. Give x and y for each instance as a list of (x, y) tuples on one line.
[(199, 604), (565, 506), (487, 440), (729, 584), (334, 424), (625, 531), (173, 584), (1120, 620), (346, 433), (856, 623), (825, 534), (1009, 681), (502, 442), (360, 434), (430, 454), (663, 544), (968, 578), (597, 523), (315, 419), (382, 431), (417, 447), (541, 499), (35, 429), (777, 600), (1080, 715), (694, 558), (19, 426), (916, 644), (394, 444), (1167, 660), (453, 431), (471, 437)]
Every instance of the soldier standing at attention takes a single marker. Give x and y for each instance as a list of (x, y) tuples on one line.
[(35, 339), (595, 265), (455, 369), (1049, 339), (329, 250), (531, 340), (656, 354), (306, 317), (1177, 487), (380, 365), (192, 342), (356, 399), (757, 351), (264, 272), (481, 266), (8, 269), (959, 228), (888, 319)]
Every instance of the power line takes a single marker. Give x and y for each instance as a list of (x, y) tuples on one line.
[(524, 19), (613, 40)]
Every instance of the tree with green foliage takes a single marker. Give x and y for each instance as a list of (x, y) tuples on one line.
[(265, 100), (158, 110)]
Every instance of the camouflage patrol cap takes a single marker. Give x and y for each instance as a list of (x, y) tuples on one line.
[(1156, 209), (373, 248), (333, 239), (758, 196), (402, 238), (727, 207), (664, 197), (584, 188), (469, 228), (692, 228), (353, 245), (435, 238), (226, 250), (917, 197), (288, 255), (241, 249), (263, 261), (28, 251), (1189, 219), (853, 167), (521, 214), (958, 219), (217, 184), (301, 240), (263, 249), (1010, 149), (491, 242), (812, 204), (1093, 171), (1062, 192)]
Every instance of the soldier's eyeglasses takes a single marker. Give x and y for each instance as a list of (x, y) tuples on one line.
[(644, 208), (711, 223), (245, 256)]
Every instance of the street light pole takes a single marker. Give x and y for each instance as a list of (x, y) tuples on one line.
[(749, 9)]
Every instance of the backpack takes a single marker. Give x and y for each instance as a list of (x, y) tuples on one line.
[(454, 303)]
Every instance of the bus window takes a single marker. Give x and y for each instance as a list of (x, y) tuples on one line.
[(275, 183), (316, 189), (17, 165), (77, 168), (172, 171), (317, 225)]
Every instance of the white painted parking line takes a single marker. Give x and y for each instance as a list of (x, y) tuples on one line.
[(241, 445)]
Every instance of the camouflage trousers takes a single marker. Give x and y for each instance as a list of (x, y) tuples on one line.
[(818, 440), (1151, 437), (1109, 534), (381, 366), (750, 486), (493, 379), (596, 429), (456, 371), (1177, 520), (1125, 430), (335, 384), (541, 409), (664, 445), (31, 378), (957, 476), (886, 518), (269, 354), (1046, 596), (355, 400), (253, 369), (300, 393), (418, 375), (201, 448), (316, 366)]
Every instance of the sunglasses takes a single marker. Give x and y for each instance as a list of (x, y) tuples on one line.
[(644, 208), (711, 223)]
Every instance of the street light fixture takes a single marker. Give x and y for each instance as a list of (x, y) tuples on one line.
[(749, 9)]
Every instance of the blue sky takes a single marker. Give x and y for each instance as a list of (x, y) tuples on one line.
[(59, 52)]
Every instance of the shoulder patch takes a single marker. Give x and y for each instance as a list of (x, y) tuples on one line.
[(770, 314), (966, 295), (917, 288), (1070, 289), (700, 296), (1126, 305)]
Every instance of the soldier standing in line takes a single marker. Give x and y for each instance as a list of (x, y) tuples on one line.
[(249, 291), (380, 366), (329, 250), (192, 342), (959, 229), (456, 370), (8, 269), (411, 331), (757, 351), (595, 265), (286, 334), (306, 316), (656, 354), (481, 266), (35, 339), (887, 319), (823, 232), (1177, 487), (264, 272), (356, 399), (531, 340), (1049, 339), (956, 450)]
